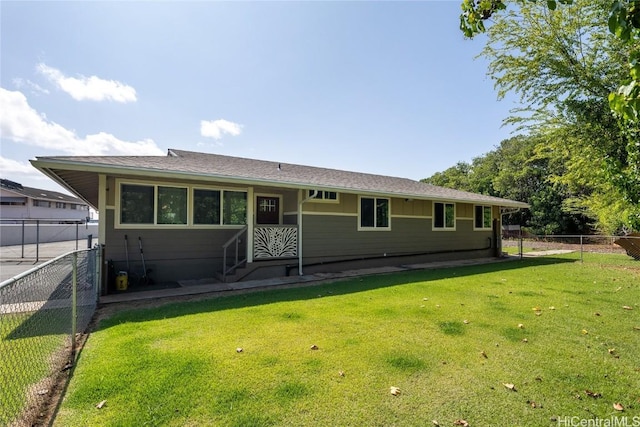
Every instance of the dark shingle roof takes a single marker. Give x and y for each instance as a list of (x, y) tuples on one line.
[(37, 193), (284, 174)]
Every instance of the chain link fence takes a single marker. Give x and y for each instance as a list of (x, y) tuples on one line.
[(532, 245), (41, 312)]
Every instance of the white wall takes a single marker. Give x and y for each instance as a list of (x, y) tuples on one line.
[(11, 234)]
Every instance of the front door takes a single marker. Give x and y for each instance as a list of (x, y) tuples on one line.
[(268, 211)]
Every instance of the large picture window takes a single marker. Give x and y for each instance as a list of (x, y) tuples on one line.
[(444, 216), (374, 213), (483, 218), (148, 204)]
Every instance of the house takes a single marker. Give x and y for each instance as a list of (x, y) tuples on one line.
[(200, 215), (20, 202)]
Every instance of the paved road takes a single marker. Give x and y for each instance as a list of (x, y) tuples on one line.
[(15, 260)]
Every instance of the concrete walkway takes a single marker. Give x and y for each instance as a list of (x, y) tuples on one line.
[(201, 287), (16, 259)]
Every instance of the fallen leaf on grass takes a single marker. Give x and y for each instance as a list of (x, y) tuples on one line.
[(101, 404), (341, 373), (239, 350), (636, 328), (552, 308), (510, 386), (585, 332), (596, 314), (520, 326), (484, 354), (627, 307), (466, 322), (525, 340), (314, 347), (611, 350), (618, 407), (462, 423), (435, 423), (593, 394), (394, 391)]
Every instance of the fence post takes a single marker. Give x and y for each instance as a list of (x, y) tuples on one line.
[(74, 304), (581, 260), (37, 240), (520, 246), (77, 236), (22, 255)]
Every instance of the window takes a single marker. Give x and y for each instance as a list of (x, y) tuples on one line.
[(172, 205), (41, 203), (374, 213), (323, 195), (444, 216), (483, 218), (136, 204), (206, 206), (235, 208), (148, 204), (61, 205)]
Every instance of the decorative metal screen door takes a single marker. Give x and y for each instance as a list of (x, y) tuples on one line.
[(268, 210)]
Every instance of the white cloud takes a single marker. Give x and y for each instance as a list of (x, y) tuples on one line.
[(216, 128), (21, 123), (36, 89), (10, 167), (89, 88)]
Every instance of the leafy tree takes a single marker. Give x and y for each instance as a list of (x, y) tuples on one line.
[(623, 21), (515, 170), (565, 64)]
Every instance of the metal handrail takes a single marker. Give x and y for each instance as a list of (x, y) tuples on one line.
[(235, 238)]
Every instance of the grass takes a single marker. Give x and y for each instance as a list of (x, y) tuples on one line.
[(426, 332), (30, 345)]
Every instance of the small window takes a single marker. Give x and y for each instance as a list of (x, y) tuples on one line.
[(206, 207), (60, 205), (483, 218), (41, 203), (73, 206), (318, 195), (444, 216), (374, 213)]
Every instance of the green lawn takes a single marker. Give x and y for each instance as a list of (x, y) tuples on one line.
[(425, 332)]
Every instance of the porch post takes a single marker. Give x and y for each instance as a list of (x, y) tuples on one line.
[(250, 224)]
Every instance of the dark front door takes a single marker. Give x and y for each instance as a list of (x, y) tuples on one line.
[(268, 210)]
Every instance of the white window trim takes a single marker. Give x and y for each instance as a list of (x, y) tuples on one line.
[(323, 200), (189, 224), (483, 228), (374, 228), (433, 216)]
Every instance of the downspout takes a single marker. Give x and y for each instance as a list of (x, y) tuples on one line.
[(312, 194)]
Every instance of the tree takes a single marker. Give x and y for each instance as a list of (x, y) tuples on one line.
[(565, 64), (623, 21), (515, 170)]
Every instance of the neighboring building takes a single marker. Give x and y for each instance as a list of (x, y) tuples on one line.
[(20, 202), (199, 215)]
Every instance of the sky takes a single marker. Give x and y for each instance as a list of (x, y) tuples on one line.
[(390, 88)]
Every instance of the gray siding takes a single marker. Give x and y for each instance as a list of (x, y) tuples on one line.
[(172, 254), (331, 237)]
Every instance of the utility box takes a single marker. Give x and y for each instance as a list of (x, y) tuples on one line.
[(122, 281)]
